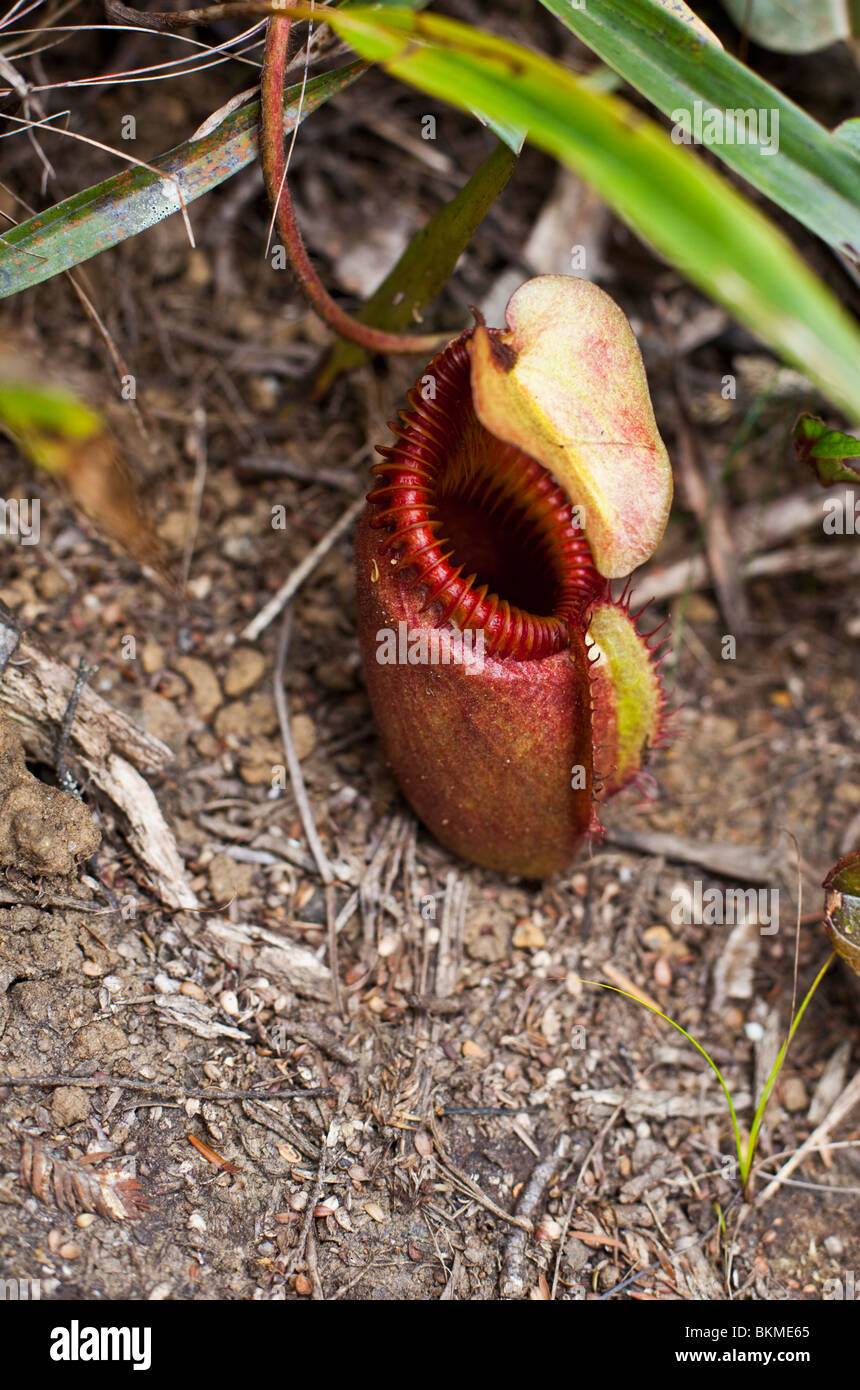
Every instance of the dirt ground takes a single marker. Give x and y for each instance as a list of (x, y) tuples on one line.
[(458, 1049)]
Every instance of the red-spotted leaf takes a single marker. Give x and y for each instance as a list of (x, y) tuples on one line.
[(833, 456)]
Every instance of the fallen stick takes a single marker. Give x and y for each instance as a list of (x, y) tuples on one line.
[(758, 529), (840, 1108), (727, 861), (156, 1088), (294, 582), (512, 1280), (148, 832), (35, 688)]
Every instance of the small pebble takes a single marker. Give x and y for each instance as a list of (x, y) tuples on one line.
[(304, 734), (662, 972), (191, 990), (246, 667), (528, 936), (152, 657), (794, 1096)]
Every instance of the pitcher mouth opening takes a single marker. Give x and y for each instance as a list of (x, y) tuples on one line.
[(481, 527)]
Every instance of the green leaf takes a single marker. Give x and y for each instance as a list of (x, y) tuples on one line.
[(58, 431), (427, 262), (652, 1008), (509, 132), (688, 213), (130, 202), (749, 1155), (792, 28), (826, 450), (37, 415), (849, 134), (745, 1152), (810, 174)]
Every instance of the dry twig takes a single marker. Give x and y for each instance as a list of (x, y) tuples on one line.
[(842, 1107), (759, 529), (123, 1083), (512, 1282), (300, 793), (728, 861), (294, 582)]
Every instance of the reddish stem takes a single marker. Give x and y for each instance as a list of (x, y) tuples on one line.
[(274, 167)]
